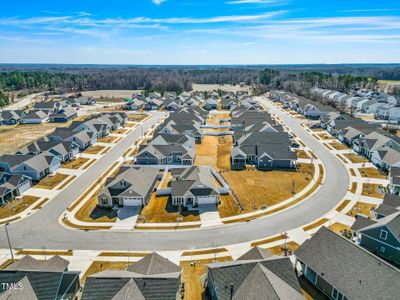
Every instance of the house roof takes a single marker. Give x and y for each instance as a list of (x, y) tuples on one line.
[(361, 222), (355, 272), (153, 264), (271, 278), (255, 253), (391, 221), (392, 200)]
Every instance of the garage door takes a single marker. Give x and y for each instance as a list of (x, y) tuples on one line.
[(207, 200), (132, 201)]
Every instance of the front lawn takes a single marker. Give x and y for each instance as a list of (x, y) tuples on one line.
[(51, 181), (17, 206), (75, 164), (372, 173), (372, 190), (354, 158)]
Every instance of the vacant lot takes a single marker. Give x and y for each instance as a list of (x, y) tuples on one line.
[(361, 208), (17, 206), (266, 188), (372, 190), (15, 137), (193, 275), (228, 206), (159, 210), (51, 181), (372, 173), (354, 158), (110, 93), (216, 87), (215, 152), (75, 164)]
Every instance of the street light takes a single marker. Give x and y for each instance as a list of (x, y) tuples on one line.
[(8, 240)]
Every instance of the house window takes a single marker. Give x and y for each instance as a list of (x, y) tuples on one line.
[(336, 294), (104, 201), (383, 234)]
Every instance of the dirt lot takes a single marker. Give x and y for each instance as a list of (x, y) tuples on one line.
[(51, 181), (192, 274), (258, 188), (159, 211), (110, 93), (372, 173), (75, 164), (17, 206), (215, 152), (15, 137)]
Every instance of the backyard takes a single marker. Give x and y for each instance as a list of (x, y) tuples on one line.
[(256, 189), (215, 152)]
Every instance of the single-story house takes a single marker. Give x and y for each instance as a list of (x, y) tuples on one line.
[(385, 158), (194, 186), (255, 275), (165, 154), (152, 278), (374, 141), (343, 270), (64, 115), (135, 104), (132, 186), (228, 103), (49, 107), (62, 150), (11, 117), (83, 139), (35, 117), (28, 278), (210, 104), (153, 104), (394, 180)]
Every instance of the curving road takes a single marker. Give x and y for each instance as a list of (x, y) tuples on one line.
[(43, 230)]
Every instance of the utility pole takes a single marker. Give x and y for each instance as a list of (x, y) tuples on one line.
[(8, 240)]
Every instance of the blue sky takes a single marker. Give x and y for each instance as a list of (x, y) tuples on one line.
[(200, 32)]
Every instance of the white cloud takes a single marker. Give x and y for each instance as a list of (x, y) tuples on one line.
[(158, 2)]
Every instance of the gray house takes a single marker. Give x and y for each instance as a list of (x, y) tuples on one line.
[(344, 270), (35, 117), (13, 186), (374, 141), (256, 275), (132, 186), (11, 117), (64, 151), (193, 186), (83, 139), (385, 158), (49, 107), (210, 104), (165, 154), (64, 115), (151, 278), (48, 280), (382, 238)]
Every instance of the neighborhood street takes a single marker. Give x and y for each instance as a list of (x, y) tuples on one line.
[(42, 229)]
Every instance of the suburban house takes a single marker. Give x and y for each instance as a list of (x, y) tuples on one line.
[(135, 104), (34, 166), (83, 139), (383, 237), (153, 104), (11, 117), (194, 186), (374, 141), (35, 117), (49, 107), (171, 104), (228, 103), (329, 117), (265, 150), (173, 139), (64, 151), (12, 186), (64, 115), (86, 100), (152, 278), (385, 158), (389, 206), (48, 279), (165, 154), (394, 180), (132, 186), (343, 270), (255, 275), (191, 130), (210, 104)]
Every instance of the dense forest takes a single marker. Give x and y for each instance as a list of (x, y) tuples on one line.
[(296, 78)]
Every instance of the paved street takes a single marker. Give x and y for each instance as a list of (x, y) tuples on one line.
[(43, 230)]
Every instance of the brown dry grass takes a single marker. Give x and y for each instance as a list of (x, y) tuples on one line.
[(15, 137), (339, 228), (89, 164), (215, 152), (352, 172), (203, 252), (90, 212), (372, 173), (338, 146), (7, 263), (325, 137), (44, 252), (361, 208), (121, 131), (67, 182), (342, 205), (123, 254), (192, 272), (51, 181), (302, 154), (156, 212), (101, 266), (96, 149), (75, 164), (354, 158), (41, 203), (107, 139), (353, 188), (17, 206), (267, 241), (228, 206), (259, 188), (315, 224), (280, 249), (371, 190), (137, 117), (93, 227)]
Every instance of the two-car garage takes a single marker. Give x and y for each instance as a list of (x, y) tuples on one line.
[(132, 201)]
